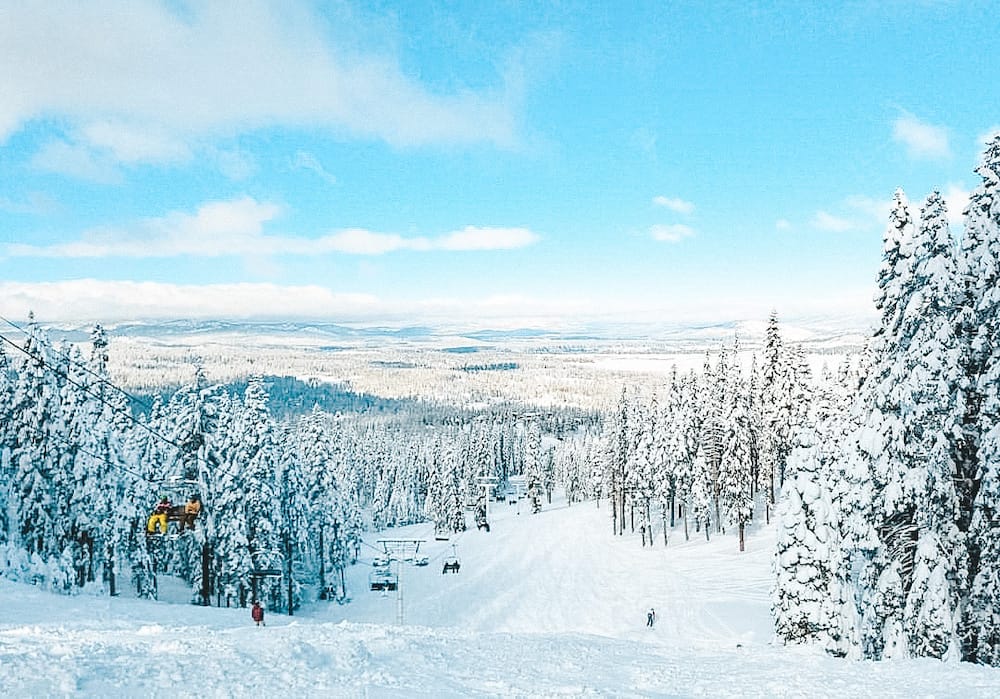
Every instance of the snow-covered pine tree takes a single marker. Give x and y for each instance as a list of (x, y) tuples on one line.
[(38, 519), (534, 475), (823, 530), (664, 456), (8, 440), (981, 280), (137, 495), (683, 446), (800, 393), (735, 486), (645, 464), (909, 426), (435, 502), (294, 516), (710, 406), (777, 407), (883, 448), (259, 449), (621, 447), (930, 407), (804, 606)]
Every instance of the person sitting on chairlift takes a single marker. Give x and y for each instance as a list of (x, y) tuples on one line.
[(192, 508), (159, 517)]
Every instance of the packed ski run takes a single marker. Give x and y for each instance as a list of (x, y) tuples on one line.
[(545, 605)]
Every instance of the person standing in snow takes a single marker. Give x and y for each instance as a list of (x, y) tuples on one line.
[(650, 617), (257, 614)]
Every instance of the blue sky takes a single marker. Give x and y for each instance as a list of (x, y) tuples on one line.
[(501, 163)]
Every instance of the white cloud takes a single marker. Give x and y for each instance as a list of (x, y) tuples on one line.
[(235, 164), (358, 241), (76, 161), (922, 140), (956, 198), (828, 222), (673, 233), (475, 238), (90, 299), (875, 210), (674, 204), (217, 228), (236, 228), (131, 144), (140, 80), (36, 203), (783, 224), (987, 136), (84, 300), (307, 161)]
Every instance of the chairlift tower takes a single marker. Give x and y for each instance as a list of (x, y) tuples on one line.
[(487, 483), (400, 551)]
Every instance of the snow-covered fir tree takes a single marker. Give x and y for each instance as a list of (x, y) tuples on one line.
[(980, 278), (804, 607)]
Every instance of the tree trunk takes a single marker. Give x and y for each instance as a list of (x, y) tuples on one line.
[(741, 536), (288, 566), (614, 515), (623, 510), (206, 574), (322, 565), (109, 568)]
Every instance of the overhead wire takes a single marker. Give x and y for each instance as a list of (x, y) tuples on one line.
[(64, 375), (41, 361), (74, 445), (101, 379)]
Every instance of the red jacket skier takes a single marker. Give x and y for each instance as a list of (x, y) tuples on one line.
[(257, 613)]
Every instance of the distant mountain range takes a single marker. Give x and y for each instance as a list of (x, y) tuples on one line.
[(816, 333)]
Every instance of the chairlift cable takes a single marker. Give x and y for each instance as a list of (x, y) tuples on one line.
[(105, 459), (101, 379), (41, 361), (47, 365)]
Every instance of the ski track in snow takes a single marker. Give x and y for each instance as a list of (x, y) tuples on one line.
[(544, 605)]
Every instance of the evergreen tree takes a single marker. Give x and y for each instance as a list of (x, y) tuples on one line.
[(804, 605), (886, 578), (38, 524), (979, 473), (534, 474)]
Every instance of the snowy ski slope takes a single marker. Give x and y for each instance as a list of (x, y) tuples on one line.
[(544, 605)]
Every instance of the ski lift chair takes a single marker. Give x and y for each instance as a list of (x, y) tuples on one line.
[(176, 490), (451, 563), (382, 579)]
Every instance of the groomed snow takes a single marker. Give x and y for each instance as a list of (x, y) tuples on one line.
[(544, 605)]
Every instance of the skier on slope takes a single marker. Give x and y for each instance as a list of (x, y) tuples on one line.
[(257, 614), (650, 617)]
